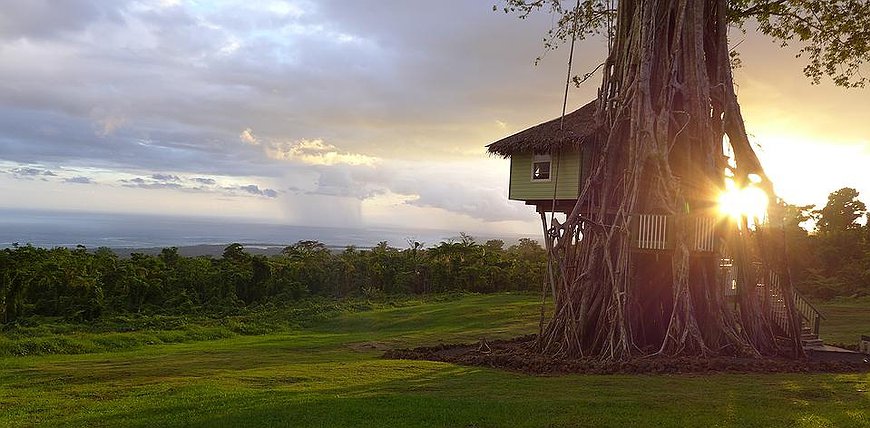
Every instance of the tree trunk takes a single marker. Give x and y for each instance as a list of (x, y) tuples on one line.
[(666, 106)]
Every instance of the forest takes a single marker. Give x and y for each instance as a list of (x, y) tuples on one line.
[(79, 284)]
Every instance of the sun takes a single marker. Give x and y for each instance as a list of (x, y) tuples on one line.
[(749, 202)]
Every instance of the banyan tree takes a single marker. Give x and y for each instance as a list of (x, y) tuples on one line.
[(645, 259)]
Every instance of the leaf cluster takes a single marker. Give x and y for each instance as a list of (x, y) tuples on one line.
[(832, 35)]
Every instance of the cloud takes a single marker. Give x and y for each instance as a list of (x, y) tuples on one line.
[(166, 181), (316, 152), (31, 172), (170, 96), (352, 181), (150, 183), (165, 177), (255, 190), (43, 19), (108, 125), (329, 100), (247, 136), (78, 180), (203, 92), (206, 181), (477, 189), (197, 184)]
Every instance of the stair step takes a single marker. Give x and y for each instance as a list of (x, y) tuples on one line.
[(812, 342)]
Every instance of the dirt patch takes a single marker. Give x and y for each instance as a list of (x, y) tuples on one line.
[(517, 355)]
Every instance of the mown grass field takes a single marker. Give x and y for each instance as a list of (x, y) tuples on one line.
[(845, 319), (329, 374)]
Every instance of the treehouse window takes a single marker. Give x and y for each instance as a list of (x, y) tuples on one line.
[(541, 167)]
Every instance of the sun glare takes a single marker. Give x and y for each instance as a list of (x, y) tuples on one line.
[(750, 202)]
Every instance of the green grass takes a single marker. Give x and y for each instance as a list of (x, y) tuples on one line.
[(42, 336), (845, 319), (329, 373)]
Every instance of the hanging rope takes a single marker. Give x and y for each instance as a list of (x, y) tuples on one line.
[(570, 62), (564, 108), (555, 174)]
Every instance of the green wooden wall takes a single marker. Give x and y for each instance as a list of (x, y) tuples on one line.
[(522, 188)]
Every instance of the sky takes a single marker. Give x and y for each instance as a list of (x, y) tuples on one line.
[(336, 113)]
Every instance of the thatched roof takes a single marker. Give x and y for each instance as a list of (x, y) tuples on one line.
[(579, 127)]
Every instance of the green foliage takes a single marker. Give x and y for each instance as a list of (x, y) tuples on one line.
[(78, 285), (835, 260), (841, 212), (833, 35)]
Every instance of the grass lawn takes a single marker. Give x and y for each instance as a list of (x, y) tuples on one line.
[(330, 374), (845, 320)]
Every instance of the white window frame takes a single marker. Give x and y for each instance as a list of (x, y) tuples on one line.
[(540, 159)]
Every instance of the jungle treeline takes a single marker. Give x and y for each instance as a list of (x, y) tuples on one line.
[(79, 284)]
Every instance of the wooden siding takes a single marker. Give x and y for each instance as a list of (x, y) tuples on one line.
[(566, 171)]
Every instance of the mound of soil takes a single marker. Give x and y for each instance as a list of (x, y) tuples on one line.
[(518, 355)]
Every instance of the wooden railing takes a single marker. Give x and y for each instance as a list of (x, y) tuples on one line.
[(810, 316), (808, 312), (704, 238), (769, 288), (655, 232), (652, 232), (769, 285)]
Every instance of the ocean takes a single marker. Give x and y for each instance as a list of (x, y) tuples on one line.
[(68, 229)]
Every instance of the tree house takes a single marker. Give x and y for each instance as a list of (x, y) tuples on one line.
[(551, 161)]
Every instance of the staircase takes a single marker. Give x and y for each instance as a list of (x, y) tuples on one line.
[(779, 301), (810, 339), (809, 317), (770, 287)]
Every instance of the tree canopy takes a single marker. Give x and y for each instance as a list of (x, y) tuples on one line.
[(841, 212), (833, 36)]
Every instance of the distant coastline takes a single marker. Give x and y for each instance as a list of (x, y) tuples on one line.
[(126, 233)]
